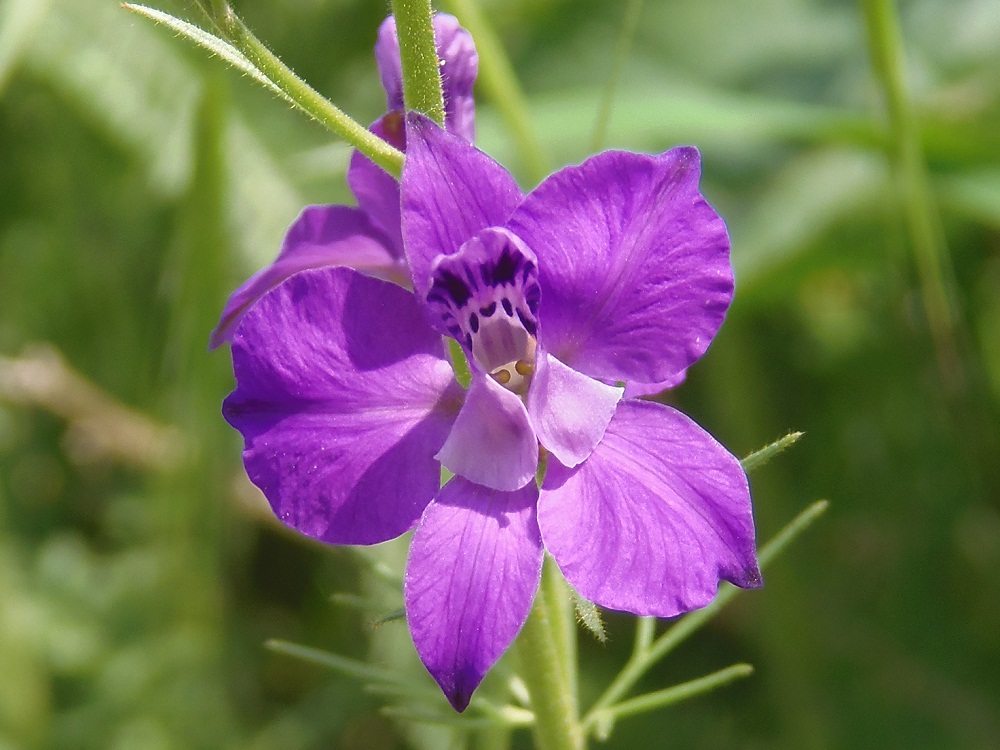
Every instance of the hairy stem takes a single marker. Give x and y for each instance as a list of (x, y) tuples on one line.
[(542, 649), (418, 54)]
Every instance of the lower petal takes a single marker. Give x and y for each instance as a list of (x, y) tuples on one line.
[(322, 236), (657, 515), (569, 410), (473, 569), (343, 396), (491, 442)]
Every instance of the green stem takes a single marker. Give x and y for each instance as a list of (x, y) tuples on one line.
[(305, 96), (541, 648), (560, 607), (497, 77), (885, 45), (645, 631), (418, 54), (641, 661)]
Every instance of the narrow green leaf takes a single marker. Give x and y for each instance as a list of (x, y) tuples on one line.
[(758, 458), (396, 614), (602, 722), (212, 43)]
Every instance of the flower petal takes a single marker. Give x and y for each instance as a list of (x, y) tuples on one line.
[(459, 66), (343, 396), (635, 389), (321, 236), (451, 191), (474, 567), (492, 442), (569, 410), (654, 518), (633, 264), (376, 190)]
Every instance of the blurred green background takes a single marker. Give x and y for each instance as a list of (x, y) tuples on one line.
[(140, 181)]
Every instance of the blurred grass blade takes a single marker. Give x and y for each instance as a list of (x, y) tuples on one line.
[(19, 20), (350, 667), (629, 24), (765, 454), (602, 722), (212, 43)]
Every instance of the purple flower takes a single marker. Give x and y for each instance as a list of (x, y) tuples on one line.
[(367, 238), (613, 271)]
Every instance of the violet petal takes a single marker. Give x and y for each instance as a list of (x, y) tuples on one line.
[(474, 567), (569, 410), (451, 191), (491, 442), (657, 515), (343, 396), (633, 264), (321, 236)]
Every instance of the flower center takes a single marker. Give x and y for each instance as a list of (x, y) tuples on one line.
[(486, 296)]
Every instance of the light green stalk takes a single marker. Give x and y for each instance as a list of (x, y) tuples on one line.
[(418, 54), (543, 651)]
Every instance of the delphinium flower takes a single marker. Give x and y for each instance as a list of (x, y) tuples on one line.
[(612, 272), (367, 237)]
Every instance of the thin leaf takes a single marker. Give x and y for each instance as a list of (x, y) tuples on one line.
[(758, 458), (602, 722), (396, 614), (212, 43)]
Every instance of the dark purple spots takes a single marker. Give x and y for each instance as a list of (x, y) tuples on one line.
[(474, 323), (487, 311), (455, 287), (504, 268), (507, 308), (528, 323)]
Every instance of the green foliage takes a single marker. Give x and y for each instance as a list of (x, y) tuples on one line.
[(140, 181)]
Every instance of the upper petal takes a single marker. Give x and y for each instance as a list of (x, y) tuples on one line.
[(634, 264), (377, 191), (657, 515), (492, 442), (459, 66), (343, 396), (451, 191), (569, 410), (321, 236), (473, 569)]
